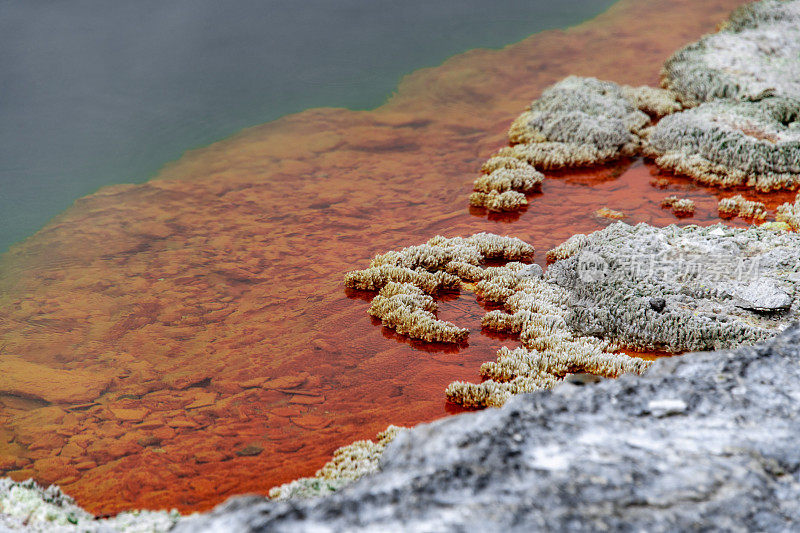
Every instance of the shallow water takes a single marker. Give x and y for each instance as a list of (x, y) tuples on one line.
[(96, 92), (196, 319)]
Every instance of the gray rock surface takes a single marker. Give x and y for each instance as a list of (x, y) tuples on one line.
[(750, 143), (681, 288), (757, 52), (576, 122), (704, 441)]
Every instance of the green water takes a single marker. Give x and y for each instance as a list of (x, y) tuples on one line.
[(95, 92)]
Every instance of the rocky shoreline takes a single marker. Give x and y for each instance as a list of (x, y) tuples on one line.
[(658, 454), (700, 441)]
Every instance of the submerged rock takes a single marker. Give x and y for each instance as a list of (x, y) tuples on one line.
[(703, 439), (720, 286), (756, 53)]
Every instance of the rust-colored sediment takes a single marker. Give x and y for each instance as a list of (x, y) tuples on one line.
[(176, 323)]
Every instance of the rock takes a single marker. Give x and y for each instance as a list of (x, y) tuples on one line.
[(658, 304), (28, 507), (721, 287), (135, 415), (757, 52), (611, 214), (10, 462), (307, 399), (250, 450), (761, 295), (292, 410), (210, 456), (599, 457), (533, 271), (666, 407), (578, 121), (286, 382), (582, 378), (753, 144), (181, 423), (312, 421), (203, 399), (148, 440), (31, 380)]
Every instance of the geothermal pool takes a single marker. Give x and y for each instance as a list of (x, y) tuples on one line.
[(173, 343), (97, 93)]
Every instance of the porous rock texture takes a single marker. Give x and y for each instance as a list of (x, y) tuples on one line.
[(578, 121), (551, 350), (403, 277), (789, 213), (679, 206), (756, 53), (739, 206), (703, 441), (680, 288), (729, 143)]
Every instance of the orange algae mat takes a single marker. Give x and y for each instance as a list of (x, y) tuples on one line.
[(174, 343)]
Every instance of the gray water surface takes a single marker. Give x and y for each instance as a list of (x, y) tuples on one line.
[(96, 92)]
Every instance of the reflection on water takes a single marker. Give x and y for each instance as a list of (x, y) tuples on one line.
[(177, 342), (97, 92)]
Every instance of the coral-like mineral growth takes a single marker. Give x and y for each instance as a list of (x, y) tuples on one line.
[(749, 143), (568, 248), (739, 206), (756, 53), (576, 122), (403, 277), (25, 506), (537, 309), (585, 121), (655, 102), (679, 206), (678, 289), (498, 201), (349, 463), (497, 188), (789, 213), (409, 311), (505, 179)]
